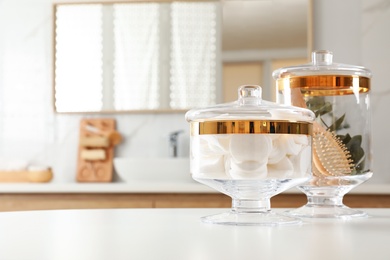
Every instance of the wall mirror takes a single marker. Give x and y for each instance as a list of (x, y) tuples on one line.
[(162, 56)]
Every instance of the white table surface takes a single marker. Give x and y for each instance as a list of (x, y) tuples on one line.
[(179, 234)]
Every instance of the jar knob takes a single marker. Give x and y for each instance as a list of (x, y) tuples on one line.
[(322, 57), (249, 95)]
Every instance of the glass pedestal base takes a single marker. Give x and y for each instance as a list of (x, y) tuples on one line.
[(325, 197), (326, 211), (251, 213), (251, 201), (251, 219)]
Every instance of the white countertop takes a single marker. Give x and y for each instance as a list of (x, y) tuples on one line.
[(179, 234), (144, 187)]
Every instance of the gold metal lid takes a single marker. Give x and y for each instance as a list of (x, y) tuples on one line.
[(250, 115), (323, 77)]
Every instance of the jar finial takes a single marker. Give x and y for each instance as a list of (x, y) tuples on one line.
[(322, 57), (249, 95)]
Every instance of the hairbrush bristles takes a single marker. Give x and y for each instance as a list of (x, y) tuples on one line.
[(330, 156)]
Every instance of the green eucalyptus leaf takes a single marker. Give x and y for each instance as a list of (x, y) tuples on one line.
[(323, 122), (359, 167), (337, 124), (357, 154), (355, 141), (344, 138), (315, 103), (326, 108), (356, 151)]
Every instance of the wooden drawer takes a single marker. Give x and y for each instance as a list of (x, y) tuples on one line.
[(40, 201)]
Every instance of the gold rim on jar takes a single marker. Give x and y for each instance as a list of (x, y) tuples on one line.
[(251, 127), (326, 85)]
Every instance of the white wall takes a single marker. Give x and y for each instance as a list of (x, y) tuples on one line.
[(26, 26), (357, 31), (375, 55), (26, 63)]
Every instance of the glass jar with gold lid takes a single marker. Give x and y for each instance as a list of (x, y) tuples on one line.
[(338, 94), (251, 150)]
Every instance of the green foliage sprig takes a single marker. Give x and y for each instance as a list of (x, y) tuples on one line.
[(320, 107)]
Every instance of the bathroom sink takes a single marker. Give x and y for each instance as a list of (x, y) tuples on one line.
[(153, 169)]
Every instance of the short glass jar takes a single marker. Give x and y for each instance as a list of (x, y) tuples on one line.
[(250, 150)]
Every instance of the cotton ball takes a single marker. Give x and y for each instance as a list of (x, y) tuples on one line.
[(289, 144), (250, 147), (210, 144), (302, 162), (198, 147), (278, 151), (283, 169), (301, 139), (218, 143), (247, 170), (208, 167)]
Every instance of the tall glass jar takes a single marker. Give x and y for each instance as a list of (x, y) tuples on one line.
[(338, 94)]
